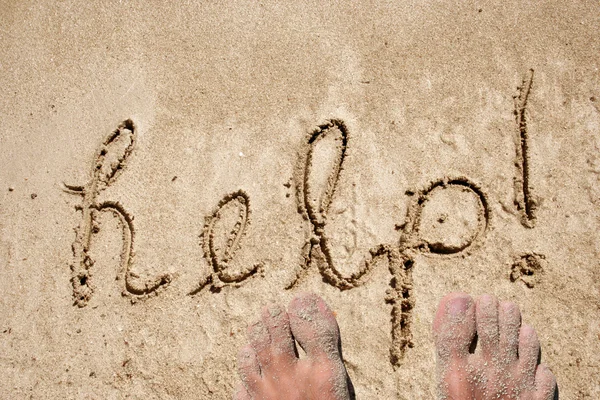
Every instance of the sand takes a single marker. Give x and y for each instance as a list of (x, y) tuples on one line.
[(219, 157)]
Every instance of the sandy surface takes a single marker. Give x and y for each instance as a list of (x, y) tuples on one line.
[(223, 157)]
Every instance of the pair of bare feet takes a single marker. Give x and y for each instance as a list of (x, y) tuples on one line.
[(483, 352)]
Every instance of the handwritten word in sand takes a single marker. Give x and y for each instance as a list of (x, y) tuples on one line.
[(449, 217)]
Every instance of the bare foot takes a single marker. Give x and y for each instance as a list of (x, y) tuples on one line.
[(505, 364), (269, 366)]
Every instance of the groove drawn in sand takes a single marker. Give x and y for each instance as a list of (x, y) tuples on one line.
[(221, 237), (443, 231), (319, 169), (528, 268), (524, 198), (449, 217), (400, 296), (109, 162)]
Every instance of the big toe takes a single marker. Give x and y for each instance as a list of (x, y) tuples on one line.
[(314, 326), (454, 326)]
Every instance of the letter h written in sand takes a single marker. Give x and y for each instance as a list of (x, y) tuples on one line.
[(109, 161)]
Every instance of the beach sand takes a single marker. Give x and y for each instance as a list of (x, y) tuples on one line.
[(168, 169)]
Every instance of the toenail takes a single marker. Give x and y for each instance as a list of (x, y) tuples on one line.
[(458, 306)]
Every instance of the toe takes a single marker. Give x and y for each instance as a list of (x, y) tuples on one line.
[(454, 326), (509, 319), (277, 323), (241, 393), (314, 326), (545, 383), (529, 352), (487, 325), (260, 341), (248, 370)]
